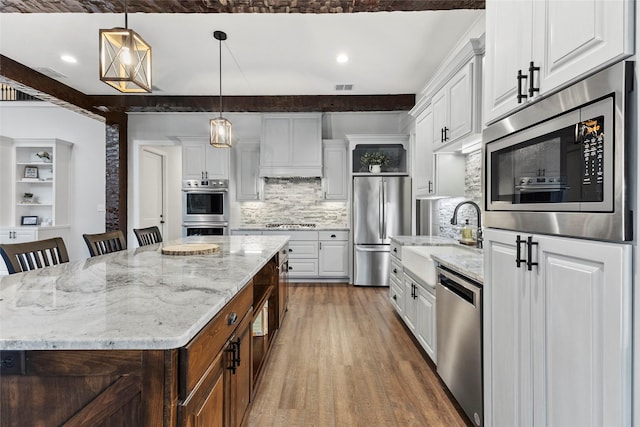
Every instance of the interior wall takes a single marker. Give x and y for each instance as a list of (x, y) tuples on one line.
[(44, 120)]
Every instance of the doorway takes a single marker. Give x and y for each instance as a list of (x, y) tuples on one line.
[(152, 189)]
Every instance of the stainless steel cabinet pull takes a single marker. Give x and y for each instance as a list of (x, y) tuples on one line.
[(232, 319)]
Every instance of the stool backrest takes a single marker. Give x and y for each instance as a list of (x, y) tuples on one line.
[(148, 236), (27, 256), (105, 243)]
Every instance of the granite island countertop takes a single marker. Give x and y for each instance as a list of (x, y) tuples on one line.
[(137, 299)]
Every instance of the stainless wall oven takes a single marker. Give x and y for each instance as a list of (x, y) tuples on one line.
[(562, 165), (205, 207), (205, 201)]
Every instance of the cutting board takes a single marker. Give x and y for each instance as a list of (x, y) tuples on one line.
[(191, 249)]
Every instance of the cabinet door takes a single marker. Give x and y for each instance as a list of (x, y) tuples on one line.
[(333, 259), (306, 149), (193, 160), (449, 174), (573, 38), (423, 154), (507, 338), (508, 49), (276, 141), (439, 108), (205, 406), (335, 170), (217, 162), (581, 311), (460, 96), (240, 380), (410, 305), (248, 181), (426, 322)]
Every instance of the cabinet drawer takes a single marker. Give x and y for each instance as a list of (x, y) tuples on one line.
[(303, 249), (396, 295), (396, 250), (198, 354), (333, 235), (396, 270), (293, 234), (303, 267)]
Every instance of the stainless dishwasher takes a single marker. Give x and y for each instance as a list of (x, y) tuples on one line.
[(459, 339)]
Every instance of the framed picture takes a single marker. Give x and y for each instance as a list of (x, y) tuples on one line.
[(29, 220), (30, 172)]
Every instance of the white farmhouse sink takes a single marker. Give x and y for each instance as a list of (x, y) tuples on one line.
[(418, 260)]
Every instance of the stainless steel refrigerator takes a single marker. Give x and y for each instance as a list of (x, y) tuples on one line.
[(381, 208)]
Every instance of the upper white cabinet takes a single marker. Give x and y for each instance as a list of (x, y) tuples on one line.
[(202, 161), (536, 47), (334, 178), (291, 145), (557, 333), (435, 174), (453, 106), (248, 183), (451, 103)]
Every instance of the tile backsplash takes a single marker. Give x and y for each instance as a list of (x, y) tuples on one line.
[(293, 200), (473, 191)]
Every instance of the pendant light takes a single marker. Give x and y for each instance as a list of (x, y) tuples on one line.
[(125, 59), (220, 128)]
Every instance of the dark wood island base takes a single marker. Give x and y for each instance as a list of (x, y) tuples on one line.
[(208, 382)]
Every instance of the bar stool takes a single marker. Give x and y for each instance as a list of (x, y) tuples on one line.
[(148, 236), (27, 256), (105, 243)]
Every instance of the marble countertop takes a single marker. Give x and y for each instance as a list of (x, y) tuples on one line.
[(423, 240), (134, 299), (470, 265)]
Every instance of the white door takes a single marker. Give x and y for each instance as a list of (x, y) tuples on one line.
[(152, 190), (460, 96)]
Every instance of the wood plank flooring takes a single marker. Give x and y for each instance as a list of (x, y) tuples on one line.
[(343, 358)]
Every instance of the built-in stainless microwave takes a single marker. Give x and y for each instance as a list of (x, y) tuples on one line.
[(563, 165)]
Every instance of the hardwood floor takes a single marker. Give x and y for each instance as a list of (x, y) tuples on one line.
[(343, 358)]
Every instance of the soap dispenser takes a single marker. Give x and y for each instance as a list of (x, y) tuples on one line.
[(467, 233)]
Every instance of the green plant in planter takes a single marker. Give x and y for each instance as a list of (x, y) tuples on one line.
[(374, 158)]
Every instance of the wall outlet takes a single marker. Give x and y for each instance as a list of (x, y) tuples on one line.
[(12, 362)]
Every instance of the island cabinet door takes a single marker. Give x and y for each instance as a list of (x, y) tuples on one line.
[(205, 406), (240, 373)]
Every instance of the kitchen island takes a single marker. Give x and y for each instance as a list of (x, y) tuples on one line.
[(138, 337)]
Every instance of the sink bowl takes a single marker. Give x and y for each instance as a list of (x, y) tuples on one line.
[(418, 260)]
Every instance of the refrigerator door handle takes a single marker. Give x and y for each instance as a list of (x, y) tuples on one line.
[(384, 209), (380, 210)]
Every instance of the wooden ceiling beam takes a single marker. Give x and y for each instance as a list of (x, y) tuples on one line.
[(296, 103), (233, 6)]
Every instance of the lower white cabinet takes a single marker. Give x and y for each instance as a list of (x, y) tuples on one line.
[(333, 259), (557, 331), (420, 312)]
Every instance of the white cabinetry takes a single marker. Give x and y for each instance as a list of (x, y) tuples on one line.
[(435, 174), (291, 145), (453, 107), (334, 178), (420, 312), (557, 338), (202, 161), (333, 259), (248, 183), (551, 44)]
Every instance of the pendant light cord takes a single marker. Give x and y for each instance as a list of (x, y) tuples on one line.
[(126, 23), (220, 60)]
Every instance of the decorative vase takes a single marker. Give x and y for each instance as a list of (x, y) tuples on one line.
[(374, 168)]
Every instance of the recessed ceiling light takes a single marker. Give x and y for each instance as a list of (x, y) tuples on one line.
[(68, 58), (342, 58)]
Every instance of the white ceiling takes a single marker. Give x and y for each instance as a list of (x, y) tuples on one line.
[(265, 54)]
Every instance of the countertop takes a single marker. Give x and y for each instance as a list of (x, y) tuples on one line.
[(469, 263), (136, 299)]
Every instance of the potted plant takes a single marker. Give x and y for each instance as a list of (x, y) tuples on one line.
[(44, 156), (374, 161), (27, 198)]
